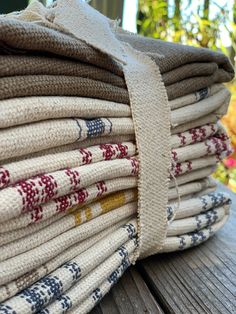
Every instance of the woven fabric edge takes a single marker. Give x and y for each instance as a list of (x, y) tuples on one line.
[(151, 117)]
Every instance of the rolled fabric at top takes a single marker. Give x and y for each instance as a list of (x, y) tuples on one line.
[(170, 56), (19, 37), (184, 69), (14, 68)]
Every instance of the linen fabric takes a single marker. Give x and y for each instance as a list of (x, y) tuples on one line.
[(108, 143), (192, 69)]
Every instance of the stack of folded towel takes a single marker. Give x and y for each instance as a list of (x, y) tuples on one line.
[(69, 164)]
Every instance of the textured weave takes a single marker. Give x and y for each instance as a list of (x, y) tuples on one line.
[(195, 97), (56, 229), (26, 195), (29, 278), (36, 137), (178, 169), (209, 218), (24, 36), (92, 299), (170, 56), (29, 36), (34, 37), (216, 219), (187, 137), (20, 65), (18, 171), (52, 211), (48, 85), (186, 241), (12, 172), (39, 136), (26, 66), (209, 118), (16, 111), (79, 19), (30, 85), (144, 83), (193, 135), (103, 271), (190, 188), (18, 199), (19, 111), (198, 205), (35, 237), (66, 86), (203, 108), (184, 226), (116, 139), (209, 206), (74, 217), (20, 264), (179, 243)]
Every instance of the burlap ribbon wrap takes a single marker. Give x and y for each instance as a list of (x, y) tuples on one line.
[(151, 121)]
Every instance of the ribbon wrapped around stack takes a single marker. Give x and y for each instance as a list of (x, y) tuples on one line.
[(108, 141)]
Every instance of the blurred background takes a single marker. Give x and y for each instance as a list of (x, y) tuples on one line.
[(202, 23)]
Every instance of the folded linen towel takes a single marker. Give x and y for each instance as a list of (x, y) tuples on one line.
[(49, 213), (18, 111), (189, 67), (211, 209), (19, 242), (191, 135), (27, 194), (89, 86), (86, 303), (46, 214), (35, 137), (43, 218), (47, 85), (191, 70), (12, 172), (26, 280), (24, 65)]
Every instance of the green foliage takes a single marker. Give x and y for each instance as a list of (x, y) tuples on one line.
[(189, 22), (153, 17), (154, 21)]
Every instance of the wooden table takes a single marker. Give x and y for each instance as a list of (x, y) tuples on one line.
[(198, 280)]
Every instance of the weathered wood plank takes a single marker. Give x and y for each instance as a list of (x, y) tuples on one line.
[(199, 280), (130, 295)]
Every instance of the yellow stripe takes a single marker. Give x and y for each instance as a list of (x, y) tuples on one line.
[(108, 203), (78, 219), (112, 201), (88, 213)]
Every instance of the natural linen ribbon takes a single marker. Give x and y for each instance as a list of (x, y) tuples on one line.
[(149, 105)]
